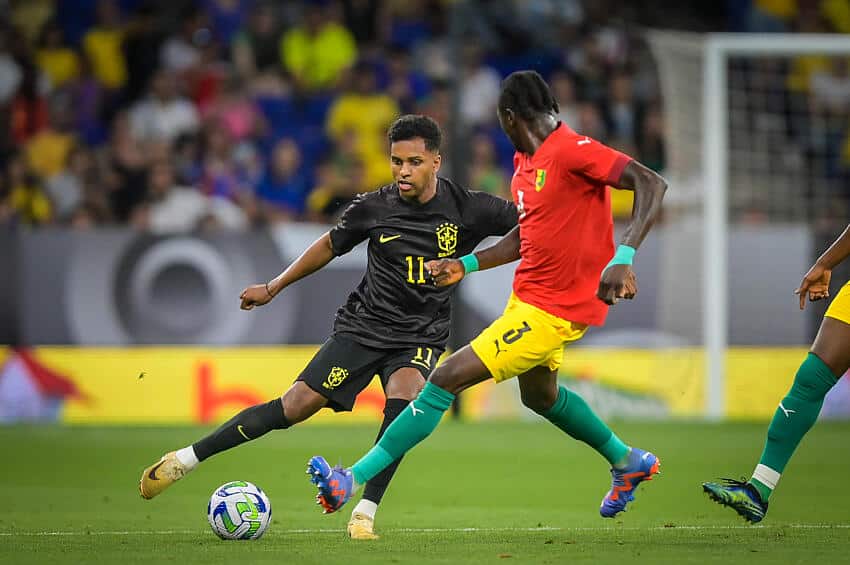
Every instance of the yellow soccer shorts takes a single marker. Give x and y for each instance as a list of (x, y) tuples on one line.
[(840, 306), (522, 338)]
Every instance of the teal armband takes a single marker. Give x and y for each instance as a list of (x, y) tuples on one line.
[(470, 263), (624, 256)]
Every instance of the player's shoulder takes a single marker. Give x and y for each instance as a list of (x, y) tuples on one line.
[(461, 195), (373, 198), (564, 135)]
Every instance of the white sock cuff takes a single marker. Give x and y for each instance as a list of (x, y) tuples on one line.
[(366, 507), (766, 476), (187, 457)]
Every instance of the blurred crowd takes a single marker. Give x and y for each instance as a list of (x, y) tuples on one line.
[(174, 116)]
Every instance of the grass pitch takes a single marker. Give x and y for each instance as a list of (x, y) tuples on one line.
[(472, 493)]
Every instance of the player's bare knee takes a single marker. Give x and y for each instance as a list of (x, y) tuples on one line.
[(405, 383), (447, 377), (300, 402), (537, 400)]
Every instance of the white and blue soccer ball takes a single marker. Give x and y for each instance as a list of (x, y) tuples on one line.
[(239, 510)]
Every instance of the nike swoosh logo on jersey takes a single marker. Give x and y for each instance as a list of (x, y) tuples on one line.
[(152, 475), (385, 238), (584, 141), (239, 429)]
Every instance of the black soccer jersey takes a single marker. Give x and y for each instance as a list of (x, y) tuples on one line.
[(396, 303)]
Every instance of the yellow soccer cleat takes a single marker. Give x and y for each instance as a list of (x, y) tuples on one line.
[(362, 527), (161, 475)]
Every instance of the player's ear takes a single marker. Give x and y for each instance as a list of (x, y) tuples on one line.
[(438, 161)]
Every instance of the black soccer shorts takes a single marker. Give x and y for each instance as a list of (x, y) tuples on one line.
[(342, 368)]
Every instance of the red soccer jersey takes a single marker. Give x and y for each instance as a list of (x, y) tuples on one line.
[(566, 228)]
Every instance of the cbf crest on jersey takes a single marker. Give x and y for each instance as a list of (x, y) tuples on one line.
[(540, 181), (446, 239), (335, 378)]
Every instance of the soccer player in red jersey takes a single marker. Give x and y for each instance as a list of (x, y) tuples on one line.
[(569, 273)]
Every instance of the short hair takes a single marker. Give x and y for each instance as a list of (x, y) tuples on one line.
[(411, 126), (527, 94)]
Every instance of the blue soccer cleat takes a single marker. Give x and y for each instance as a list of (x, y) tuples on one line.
[(642, 466), (741, 497), (335, 484)]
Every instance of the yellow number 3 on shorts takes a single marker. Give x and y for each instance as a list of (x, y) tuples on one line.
[(522, 338)]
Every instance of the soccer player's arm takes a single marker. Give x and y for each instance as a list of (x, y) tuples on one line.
[(607, 166), (495, 216), (815, 283), (349, 231)]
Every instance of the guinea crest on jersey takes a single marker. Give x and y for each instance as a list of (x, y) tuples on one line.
[(566, 227)]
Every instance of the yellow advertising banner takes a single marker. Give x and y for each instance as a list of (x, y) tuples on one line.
[(183, 385), (656, 383)]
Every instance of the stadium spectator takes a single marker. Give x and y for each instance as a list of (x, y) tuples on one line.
[(333, 191), (621, 112), (226, 18), (317, 51), (406, 23), (163, 115), (365, 113), (234, 109), (284, 186), (182, 51), (27, 199), (142, 43), (47, 151), (404, 83), (256, 47), (102, 46), (67, 187), (479, 88), (55, 58), (484, 172), (361, 18), (564, 91)]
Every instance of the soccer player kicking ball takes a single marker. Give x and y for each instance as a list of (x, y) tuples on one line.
[(828, 359), (395, 324), (568, 275)]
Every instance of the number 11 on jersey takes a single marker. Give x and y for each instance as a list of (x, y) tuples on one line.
[(410, 263)]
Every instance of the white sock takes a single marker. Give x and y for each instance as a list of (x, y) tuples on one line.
[(366, 507), (187, 457), (766, 476)]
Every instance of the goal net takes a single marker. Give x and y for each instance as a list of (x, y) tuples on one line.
[(758, 146)]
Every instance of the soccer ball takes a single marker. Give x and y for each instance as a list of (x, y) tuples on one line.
[(239, 510)]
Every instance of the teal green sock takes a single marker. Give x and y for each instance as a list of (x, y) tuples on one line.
[(572, 415), (796, 415), (414, 424)]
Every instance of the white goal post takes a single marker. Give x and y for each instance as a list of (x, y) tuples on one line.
[(694, 72)]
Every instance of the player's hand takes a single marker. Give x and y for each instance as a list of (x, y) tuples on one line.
[(254, 295), (445, 272), (618, 281), (815, 284)]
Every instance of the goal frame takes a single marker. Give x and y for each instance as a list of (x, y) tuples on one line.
[(718, 48)]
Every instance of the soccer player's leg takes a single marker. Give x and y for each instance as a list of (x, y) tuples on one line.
[(798, 411), (459, 371), (322, 383), (249, 424), (630, 466), (403, 379)]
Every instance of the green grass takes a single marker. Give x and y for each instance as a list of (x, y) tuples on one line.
[(509, 480)]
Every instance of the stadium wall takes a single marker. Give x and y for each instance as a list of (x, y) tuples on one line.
[(177, 385), (124, 288)]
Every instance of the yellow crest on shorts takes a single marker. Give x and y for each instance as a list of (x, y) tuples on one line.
[(446, 239), (540, 180), (335, 377)]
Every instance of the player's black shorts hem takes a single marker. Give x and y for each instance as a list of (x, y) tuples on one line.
[(342, 368)]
